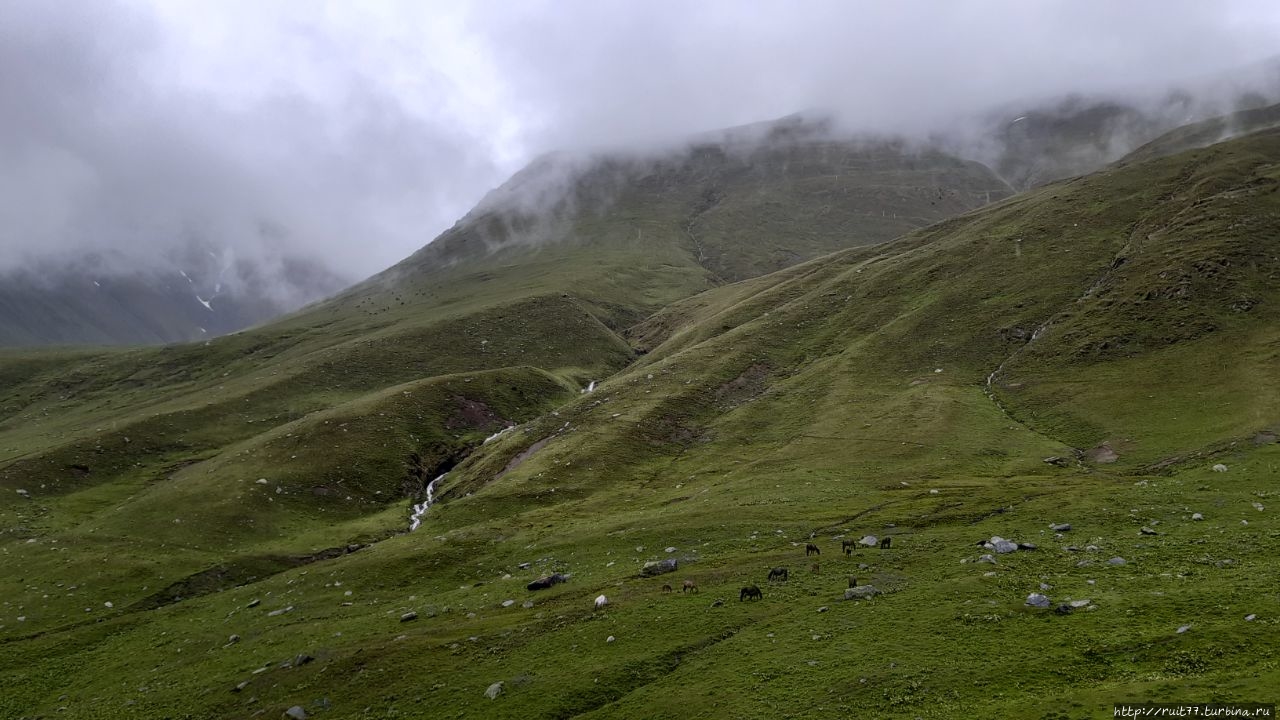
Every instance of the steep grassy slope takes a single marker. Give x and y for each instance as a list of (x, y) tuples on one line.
[(912, 389)]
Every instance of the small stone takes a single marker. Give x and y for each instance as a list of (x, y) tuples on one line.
[(1091, 548), (1037, 600), (233, 639), (1258, 506), (823, 609), (1219, 468), (1116, 561), (254, 603), (527, 604), (22, 492), (610, 639), (1197, 516), (670, 549), (987, 559), (494, 690), (281, 611), (1183, 629), (1046, 586), (411, 615), (1027, 546), (302, 659), (1061, 527), (508, 603), (1250, 617), (933, 492), (1063, 609), (296, 713), (1079, 603), (1144, 530)]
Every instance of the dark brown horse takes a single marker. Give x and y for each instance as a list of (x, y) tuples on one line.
[(853, 581), (750, 592), (848, 546), (666, 588), (885, 543), (778, 573), (689, 586), (811, 549)]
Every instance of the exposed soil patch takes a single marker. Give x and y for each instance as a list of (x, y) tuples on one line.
[(1101, 455), (744, 387), (527, 453), (472, 414)]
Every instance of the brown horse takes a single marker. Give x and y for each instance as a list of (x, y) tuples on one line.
[(885, 543), (853, 581), (689, 586), (666, 588), (811, 549), (778, 573), (848, 546), (750, 592)]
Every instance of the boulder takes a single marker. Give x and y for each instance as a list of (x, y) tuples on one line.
[(409, 616), (861, 592), (1038, 600), (1060, 527), (1116, 561), (1144, 530), (1002, 546), (1219, 468), (869, 541), (547, 581), (494, 690), (296, 713), (659, 567), (1197, 516)]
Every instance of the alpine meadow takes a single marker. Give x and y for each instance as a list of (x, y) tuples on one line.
[(781, 420)]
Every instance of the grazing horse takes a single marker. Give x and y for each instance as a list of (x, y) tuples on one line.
[(853, 581), (778, 573), (814, 568), (750, 592), (666, 588), (689, 586), (811, 549), (848, 546), (885, 543)]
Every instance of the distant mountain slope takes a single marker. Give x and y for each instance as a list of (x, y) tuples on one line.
[(78, 304)]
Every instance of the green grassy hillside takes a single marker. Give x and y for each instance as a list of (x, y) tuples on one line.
[(1115, 325)]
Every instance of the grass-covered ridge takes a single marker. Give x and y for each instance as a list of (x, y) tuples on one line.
[(912, 389)]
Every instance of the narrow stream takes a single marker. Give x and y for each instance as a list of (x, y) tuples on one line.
[(420, 509)]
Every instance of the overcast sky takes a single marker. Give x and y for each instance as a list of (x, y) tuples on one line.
[(357, 131)]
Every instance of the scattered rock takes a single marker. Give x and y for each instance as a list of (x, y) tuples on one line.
[(1183, 629), (1060, 527), (1091, 548), (527, 604), (296, 713), (23, 493), (1258, 506), (281, 611), (1197, 516), (1116, 561), (670, 549), (1219, 468), (717, 603), (933, 492), (1079, 603), (610, 639), (1063, 609), (547, 581), (254, 603), (1250, 617), (1147, 531), (860, 592), (524, 565), (823, 609), (601, 601), (987, 559), (494, 690), (658, 567), (508, 603), (240, 686), (1046, 587), (302, 659), (1002, 546), (409, 616), (1037, 600), (1072, 548), (1027, 546), (1055, 460), (869, 541), (233, 639)]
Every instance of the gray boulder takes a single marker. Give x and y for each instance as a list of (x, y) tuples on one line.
[(1038, 600), (1116, 561), (296, 713), (861, 592), (869, 541), (1060, 527), (494, 690), (658, 567), (1003, 546)]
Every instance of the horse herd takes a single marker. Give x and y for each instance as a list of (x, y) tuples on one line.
[(782, 574)]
